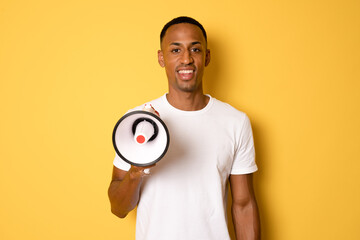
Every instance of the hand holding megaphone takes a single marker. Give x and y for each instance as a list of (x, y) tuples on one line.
[(139, 172), (141, 138)]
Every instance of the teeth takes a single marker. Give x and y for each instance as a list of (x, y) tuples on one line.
[(186, 71)]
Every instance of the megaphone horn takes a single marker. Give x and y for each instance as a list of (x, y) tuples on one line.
[(141, 138)]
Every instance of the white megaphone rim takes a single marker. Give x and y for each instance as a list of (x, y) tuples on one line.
[(129, 160)]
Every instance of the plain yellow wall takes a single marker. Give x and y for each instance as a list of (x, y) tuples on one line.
[(70, 69)]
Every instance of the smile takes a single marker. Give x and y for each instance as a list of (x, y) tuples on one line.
[(185, 74), (185, 71)]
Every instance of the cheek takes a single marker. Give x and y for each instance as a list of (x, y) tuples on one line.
[(170, 72), (169, 62), (170, 65)]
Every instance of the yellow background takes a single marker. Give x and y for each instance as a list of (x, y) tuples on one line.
[(70, 69)]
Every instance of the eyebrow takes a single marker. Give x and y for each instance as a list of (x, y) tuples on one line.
[(178, 44)]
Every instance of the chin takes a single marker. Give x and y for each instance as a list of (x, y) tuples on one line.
[(188, 87)]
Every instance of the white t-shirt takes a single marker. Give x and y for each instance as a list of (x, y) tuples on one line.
[(185, 196)]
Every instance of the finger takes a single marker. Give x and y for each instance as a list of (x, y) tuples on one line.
[(147, 171)]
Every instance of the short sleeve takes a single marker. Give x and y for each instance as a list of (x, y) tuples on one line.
[(244, 159)]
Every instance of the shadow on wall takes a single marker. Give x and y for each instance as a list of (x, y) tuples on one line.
[(212, 72), (260, 179)]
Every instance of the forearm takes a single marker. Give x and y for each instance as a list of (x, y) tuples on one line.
[(124, 194), (246, 221)]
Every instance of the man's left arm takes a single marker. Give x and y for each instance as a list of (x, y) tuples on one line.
[(244, 208)]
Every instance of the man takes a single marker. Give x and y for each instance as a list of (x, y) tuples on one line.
[(211, 144)]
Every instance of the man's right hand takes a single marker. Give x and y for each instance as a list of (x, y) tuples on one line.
[(136, 172), (124, 189)]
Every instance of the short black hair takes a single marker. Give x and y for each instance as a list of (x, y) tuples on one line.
[(182, 19)]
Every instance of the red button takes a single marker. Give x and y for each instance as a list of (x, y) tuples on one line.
[(140, 139)]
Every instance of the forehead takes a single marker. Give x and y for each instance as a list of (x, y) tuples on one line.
[(182, 33)]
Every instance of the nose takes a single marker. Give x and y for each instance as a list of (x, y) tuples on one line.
[(186, 58)]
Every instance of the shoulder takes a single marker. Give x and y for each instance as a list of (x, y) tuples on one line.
[(156, 103), (228, 111)]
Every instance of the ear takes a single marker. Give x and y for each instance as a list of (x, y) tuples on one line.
[(207, 57), (161, 58)]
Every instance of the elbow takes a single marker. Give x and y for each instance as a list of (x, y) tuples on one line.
[(242, 202), (242, 206), (118, 213)]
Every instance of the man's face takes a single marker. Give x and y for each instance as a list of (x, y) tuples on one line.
[(184, 55)]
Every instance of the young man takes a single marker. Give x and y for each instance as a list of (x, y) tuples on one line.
[(211, 144)]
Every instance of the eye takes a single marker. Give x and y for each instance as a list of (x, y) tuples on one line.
[(196, 49), (175, 50)]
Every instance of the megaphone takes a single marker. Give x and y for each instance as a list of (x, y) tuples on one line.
[(141, 138)]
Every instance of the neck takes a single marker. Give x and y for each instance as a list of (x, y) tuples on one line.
[(187, 101)]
